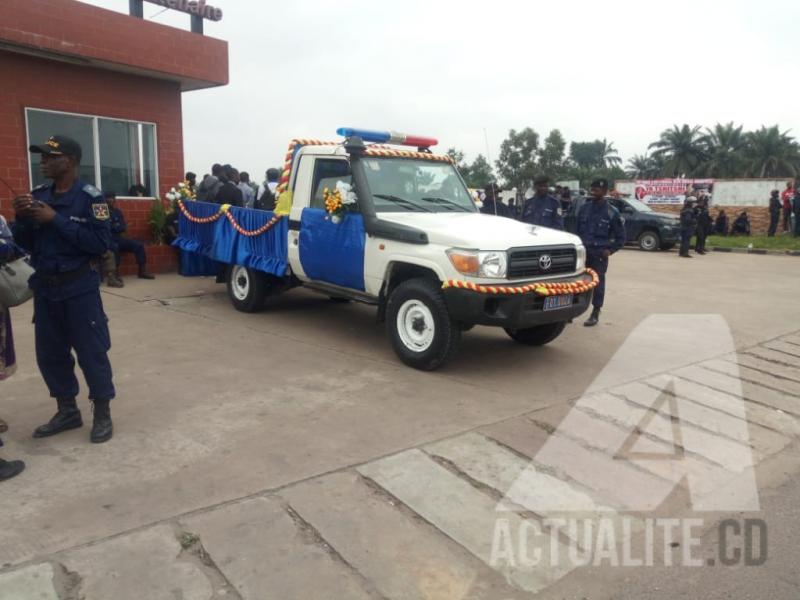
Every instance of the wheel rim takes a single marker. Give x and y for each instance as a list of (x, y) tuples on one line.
[(648, 242), (415, 326), (240, 283)]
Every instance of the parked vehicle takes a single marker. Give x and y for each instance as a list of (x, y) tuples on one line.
[(644, 227), (412, 243)]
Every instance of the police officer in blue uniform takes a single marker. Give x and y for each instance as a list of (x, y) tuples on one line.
[(65, 227), (602, 231), (543, 209), (492, 204)]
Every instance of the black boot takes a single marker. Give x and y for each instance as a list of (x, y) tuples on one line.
[(102, 428), (68, 417), (143, 274), (593, 319), (10, 468)]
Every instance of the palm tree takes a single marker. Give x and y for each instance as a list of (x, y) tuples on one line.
[(608, 156), (772, 153), (681, 149), (639, 166), (724, 149)]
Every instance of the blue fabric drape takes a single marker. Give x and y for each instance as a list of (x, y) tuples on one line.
[(333, 252), (219, 241)]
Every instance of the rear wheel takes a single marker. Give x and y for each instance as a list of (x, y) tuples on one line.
[(423, 334), (247, 288), (649, 241), (537, 336)]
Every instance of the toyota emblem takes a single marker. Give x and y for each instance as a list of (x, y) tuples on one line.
[(545, 262)]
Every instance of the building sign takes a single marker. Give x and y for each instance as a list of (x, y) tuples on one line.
[(670, 191), (198, 8)]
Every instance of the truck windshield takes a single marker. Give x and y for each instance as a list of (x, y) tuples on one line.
[(408, 185)]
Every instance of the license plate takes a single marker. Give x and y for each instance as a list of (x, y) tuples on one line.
[(556, 302)]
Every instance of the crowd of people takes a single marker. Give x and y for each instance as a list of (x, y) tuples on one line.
[(226, 185)]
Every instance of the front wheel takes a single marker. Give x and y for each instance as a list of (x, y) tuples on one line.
[(423, 334), (537, 336), (649, 241), (247, 288)]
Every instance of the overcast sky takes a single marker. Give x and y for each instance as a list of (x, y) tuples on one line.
[(620, 69)]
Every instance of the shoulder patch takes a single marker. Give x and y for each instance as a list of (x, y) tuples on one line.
[(100, 211), (92, 191)]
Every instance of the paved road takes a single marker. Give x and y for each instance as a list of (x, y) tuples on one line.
[(289, 455)]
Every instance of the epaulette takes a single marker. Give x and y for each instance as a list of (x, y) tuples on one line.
[(92, 191), (41, 187)]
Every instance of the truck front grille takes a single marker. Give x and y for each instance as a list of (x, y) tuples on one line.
[(528, 262)]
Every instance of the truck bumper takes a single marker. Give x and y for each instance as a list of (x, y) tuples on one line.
[(517, 311)]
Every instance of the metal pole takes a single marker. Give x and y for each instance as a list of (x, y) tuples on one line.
[(136, 8), (197, 24)]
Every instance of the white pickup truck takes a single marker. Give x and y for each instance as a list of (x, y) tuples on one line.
[(413, 244)]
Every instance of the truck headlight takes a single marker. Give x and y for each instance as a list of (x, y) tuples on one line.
[(491, 265), (581, 262)]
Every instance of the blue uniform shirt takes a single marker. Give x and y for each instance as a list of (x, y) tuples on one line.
[(544, 211), (77, 234), (600, 227)]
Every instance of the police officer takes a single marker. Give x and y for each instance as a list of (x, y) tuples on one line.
[(703, 224), (543, 209), (775, 208), (65, 227), (492, 205), (602, 232), (688, 224)]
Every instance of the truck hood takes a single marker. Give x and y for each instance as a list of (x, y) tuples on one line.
[(666, 218), (479, 231)]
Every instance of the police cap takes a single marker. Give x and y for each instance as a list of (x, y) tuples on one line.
[(541, 180), (600, 183), (58, 145)]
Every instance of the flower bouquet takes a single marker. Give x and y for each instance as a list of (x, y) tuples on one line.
[(339, 201), (183, 192)]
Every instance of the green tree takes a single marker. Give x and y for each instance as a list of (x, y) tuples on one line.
[(724, 151), (681, 148), (551, 157), (607, 155), (772, 153), (586, 155), (479, 173), (517, 161), (642, 166)]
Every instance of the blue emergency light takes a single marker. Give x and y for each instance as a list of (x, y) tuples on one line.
[(388, 137)]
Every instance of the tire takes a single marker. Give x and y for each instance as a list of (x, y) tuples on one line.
[(649, 241), (338, 299), (247, 288), (537, 336), (414, 304)]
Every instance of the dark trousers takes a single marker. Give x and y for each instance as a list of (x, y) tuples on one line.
[(700, 243), (78, 324), (126, 245), (686, 237), (598, 263), (787, 219), (774, 217)]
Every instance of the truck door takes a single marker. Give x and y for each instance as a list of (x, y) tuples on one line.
[(632, 218), (329, 252)]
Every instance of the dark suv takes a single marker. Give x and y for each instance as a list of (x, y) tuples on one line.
[(648, 229)]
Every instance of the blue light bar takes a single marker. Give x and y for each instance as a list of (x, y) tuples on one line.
[(387, 137)]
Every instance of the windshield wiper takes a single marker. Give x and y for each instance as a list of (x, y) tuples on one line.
[(446, 202), (402, 201)]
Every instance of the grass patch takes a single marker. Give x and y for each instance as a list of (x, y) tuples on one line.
[(779, 242)]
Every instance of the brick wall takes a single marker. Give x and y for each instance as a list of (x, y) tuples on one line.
[(90, 33), (759, 215), (40, 83)]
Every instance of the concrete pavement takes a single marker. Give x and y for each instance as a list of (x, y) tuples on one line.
[(252, 450)]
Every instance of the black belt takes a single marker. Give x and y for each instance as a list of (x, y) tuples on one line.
[(67, 276)]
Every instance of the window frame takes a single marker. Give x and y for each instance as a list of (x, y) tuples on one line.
[(96, 145)]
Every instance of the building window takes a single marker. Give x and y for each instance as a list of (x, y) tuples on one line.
[(118, 156)]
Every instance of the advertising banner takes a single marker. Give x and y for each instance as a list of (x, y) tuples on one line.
[(670, 191)]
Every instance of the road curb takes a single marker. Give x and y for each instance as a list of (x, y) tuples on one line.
[(757, 251)]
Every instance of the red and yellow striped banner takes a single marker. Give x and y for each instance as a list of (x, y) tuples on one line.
[(539, 288)]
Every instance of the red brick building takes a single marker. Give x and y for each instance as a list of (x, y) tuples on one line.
[(111, 81)]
